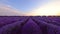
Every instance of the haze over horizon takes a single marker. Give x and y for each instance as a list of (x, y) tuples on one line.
[(29, 7)]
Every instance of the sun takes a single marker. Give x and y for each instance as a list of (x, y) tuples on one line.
[(52, 8)]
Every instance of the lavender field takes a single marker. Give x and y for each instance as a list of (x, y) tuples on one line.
[(29, 24)]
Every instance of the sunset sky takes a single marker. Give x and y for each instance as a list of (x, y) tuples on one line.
[(30, 7)]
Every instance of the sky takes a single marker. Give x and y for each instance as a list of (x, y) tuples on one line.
[(24, 5), (30, 7)]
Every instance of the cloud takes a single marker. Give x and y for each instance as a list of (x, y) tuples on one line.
[(51, 8), (7, 10)]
